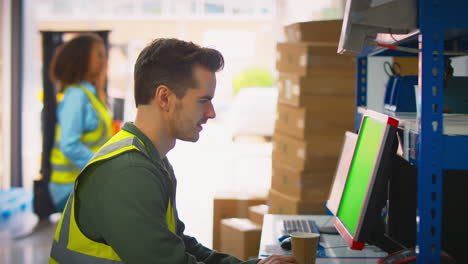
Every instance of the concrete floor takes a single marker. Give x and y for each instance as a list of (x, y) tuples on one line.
[(24, 241)]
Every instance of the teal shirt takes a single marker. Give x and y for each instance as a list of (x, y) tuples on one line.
[(122, 202), (76, 116)]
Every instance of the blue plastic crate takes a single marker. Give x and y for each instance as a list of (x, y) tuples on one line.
[(13, 201)]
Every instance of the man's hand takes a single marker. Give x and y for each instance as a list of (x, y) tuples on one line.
[(278, 259)]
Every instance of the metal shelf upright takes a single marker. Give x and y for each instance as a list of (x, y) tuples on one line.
[(435, 152)]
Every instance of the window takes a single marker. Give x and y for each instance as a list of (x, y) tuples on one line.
[(214, 7), (151, 7), (243, 7), (130, 9)]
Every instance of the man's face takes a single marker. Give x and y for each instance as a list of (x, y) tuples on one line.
[(195, 108)]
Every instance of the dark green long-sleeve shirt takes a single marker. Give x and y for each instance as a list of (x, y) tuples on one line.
[(122, 202)]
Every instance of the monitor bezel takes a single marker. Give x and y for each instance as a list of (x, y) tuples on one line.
[(357, 241), (345, 28), (350, 141)]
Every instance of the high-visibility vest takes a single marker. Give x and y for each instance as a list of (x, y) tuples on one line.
[(63, 170), (70, 245)]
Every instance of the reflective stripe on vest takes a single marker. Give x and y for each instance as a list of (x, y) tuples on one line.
[(63, 170), (70, 244), (64, 252)]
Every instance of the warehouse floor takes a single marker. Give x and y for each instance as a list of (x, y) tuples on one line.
[(22, 241)]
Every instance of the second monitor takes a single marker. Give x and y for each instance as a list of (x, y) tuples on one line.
[(361, 200)]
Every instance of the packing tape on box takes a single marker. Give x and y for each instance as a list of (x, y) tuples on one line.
[(296, 90), (278, 56), (288, 83), (300, 123), (301, 153), (303, 60), (280, 87), (298, 35), (288, 90), (288, 94)]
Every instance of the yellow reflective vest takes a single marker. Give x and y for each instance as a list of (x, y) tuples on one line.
[(63, 170), (70, 245)]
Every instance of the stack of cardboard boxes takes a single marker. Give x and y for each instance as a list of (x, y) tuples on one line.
[(315, 107), (237, 223), (240, 237)]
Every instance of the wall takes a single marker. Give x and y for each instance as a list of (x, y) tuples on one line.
[(1, 87), (32, 107), (5, 94), (376, 81), (244, 43)]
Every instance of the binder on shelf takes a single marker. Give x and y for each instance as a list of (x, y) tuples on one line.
[(388, 90), (401, 96)]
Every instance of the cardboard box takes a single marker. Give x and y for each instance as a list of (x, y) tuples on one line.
[(257, 212), (295, 90), (329, 30), (240, 238), (328, 116), (230, 205), (313, 58), (307, 186), (317, 154), (283, 204)]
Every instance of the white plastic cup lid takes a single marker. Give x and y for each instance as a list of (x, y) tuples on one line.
[(304, 235)]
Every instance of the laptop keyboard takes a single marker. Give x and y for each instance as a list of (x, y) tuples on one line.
[(299, 225)]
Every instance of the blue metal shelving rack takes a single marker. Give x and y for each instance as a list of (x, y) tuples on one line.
[(439, 22)]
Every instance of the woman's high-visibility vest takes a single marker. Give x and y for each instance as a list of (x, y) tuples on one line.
[(70, 245), (63, 170)]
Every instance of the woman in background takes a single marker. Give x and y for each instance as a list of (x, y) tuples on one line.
[(78, 68)]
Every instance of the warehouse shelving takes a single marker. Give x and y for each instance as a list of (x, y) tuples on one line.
[(442, 26)]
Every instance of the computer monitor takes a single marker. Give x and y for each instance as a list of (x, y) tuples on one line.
[(364, 19), (359, 212), (341, 173)]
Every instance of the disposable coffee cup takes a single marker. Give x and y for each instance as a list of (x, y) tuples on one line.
[(304, 247)]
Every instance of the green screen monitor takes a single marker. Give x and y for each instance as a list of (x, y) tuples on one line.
[(375, 149)]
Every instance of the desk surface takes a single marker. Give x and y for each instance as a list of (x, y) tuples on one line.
[(336, 249)]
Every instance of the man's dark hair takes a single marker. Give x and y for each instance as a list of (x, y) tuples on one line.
[(69, 65), (170, 62)]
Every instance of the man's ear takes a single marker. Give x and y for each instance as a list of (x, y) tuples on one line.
[(162, 97)]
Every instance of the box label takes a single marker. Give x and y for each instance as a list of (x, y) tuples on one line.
[(301, 153)]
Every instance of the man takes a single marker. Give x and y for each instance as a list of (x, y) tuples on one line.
[(123, 208)]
